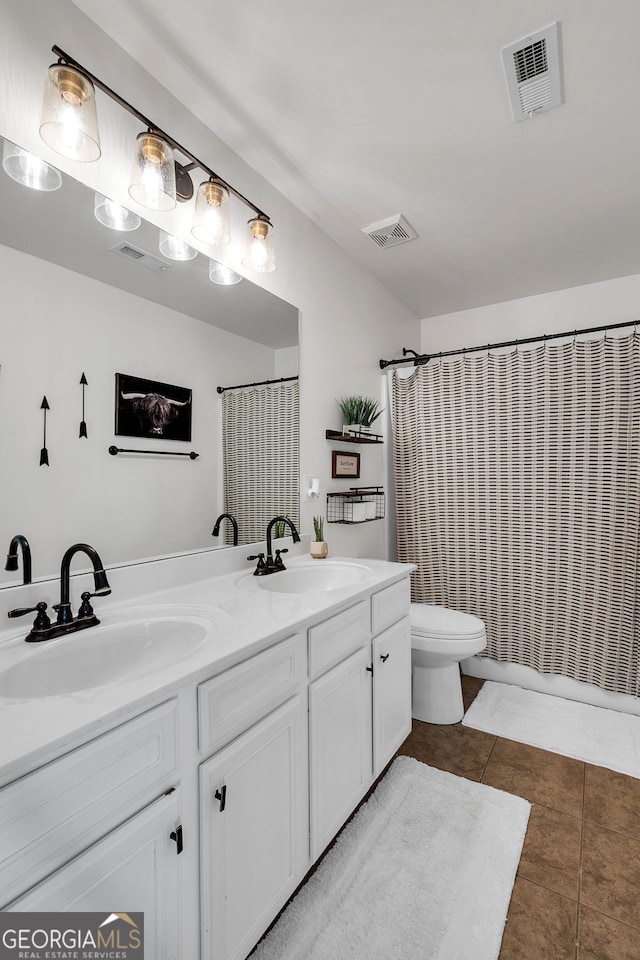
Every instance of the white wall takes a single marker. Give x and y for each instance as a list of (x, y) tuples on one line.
[(348, 320), (57, 324), (608, 301)]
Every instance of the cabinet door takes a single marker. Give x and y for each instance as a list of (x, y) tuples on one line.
[(340, 745), (254, 847), (133, 869), (391, 692)]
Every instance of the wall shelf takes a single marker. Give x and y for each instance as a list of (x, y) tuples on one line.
[(352, 438), (356, 505)]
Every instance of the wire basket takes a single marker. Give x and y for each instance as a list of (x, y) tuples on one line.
[(356, 505)]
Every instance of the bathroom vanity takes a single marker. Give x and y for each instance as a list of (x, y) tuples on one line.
[(198, 780)]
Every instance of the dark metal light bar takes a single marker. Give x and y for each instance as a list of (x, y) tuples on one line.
[(64, 57)]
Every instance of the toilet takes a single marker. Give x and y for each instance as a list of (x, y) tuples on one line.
[(440, 639)]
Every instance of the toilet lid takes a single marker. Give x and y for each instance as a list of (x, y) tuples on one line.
[(429, 620)]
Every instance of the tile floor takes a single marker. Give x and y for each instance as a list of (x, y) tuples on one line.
[(577, 892)]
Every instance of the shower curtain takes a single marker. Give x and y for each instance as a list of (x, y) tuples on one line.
[(517, 490), (260, 442)]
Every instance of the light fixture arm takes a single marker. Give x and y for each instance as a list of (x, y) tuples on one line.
[(194, 162)]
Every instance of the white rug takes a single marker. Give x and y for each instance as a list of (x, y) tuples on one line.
[(424, 871), (606, 738)]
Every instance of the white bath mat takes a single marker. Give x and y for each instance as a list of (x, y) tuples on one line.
[(606, 738), (424, 871)]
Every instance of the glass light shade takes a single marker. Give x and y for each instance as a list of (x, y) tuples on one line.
[(29, 170), (153, 178), (225, 276), (259, 253), (113, 215), (211, 216), (69, 123), (174, 249)]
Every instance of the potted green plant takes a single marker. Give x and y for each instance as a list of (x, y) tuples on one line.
[(358, 413), (319, 548)]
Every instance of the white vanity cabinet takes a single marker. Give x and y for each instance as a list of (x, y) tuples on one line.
[(359, 708), (92, 829), (133, 869), (254, 797), (391, 663)]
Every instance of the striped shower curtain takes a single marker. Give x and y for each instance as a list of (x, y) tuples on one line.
[(518, 496), (260, 442)]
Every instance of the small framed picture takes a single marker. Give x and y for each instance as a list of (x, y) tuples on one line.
[(345, 464), (151, 409)]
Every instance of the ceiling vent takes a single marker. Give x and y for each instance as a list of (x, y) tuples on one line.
[(146, 260), (532, 69), (390, 232)]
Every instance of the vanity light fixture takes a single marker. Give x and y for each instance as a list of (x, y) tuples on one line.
[(211, 217), (225, 276), (69, 121), (175, 249), (69, 125), (258, 252), (29, 170), (153, 178), (114, 215)]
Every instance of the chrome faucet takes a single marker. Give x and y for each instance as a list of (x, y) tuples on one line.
[(12, 557), (234, 523), (43, 629), (273, 566)]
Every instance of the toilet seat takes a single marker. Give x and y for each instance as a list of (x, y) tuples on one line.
[(439, 623)]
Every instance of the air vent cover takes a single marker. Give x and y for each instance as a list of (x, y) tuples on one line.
[(146, 260), (390, 232), (532, 69)]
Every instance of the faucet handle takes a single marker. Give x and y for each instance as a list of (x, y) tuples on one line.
[(41, 621), (261, 568), (278, 564)]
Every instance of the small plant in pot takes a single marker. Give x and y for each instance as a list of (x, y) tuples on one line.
[(358, 413), (319, 548)]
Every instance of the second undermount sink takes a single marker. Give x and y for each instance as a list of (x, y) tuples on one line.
[(315, 576), (102, 655)]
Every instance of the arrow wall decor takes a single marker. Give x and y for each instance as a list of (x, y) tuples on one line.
[(83, 425), (44, 453)]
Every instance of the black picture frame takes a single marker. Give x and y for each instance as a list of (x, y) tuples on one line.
[(345, 464), (152, 409)]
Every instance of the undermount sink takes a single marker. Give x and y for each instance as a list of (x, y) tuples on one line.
[(316, 576), (102, 655)]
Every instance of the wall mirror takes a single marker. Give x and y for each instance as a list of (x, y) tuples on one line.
[(81, 298)]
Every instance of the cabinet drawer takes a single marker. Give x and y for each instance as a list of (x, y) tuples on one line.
[(231, 702), (389, 605), (54, 813), (337, 637)]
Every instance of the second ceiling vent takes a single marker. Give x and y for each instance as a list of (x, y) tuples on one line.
[(532, 69), (390, 232)]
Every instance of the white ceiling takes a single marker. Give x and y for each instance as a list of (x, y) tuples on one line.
[(357, 110)]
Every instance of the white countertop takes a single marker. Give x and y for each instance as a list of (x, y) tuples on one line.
[(241, 619)]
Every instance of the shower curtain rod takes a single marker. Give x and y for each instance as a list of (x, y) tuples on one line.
[(260, 383), (419, 359)]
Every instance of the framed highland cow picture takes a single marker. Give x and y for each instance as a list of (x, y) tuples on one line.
[(151, 409)]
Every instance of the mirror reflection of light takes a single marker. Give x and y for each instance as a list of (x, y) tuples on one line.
[(225, 276), (27, 169), (175, 249), (113, 215)]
